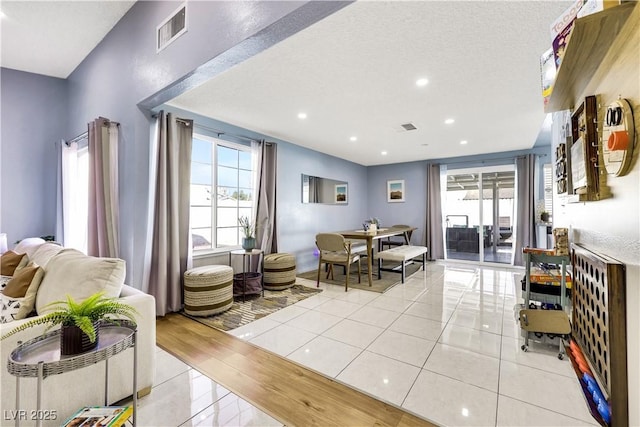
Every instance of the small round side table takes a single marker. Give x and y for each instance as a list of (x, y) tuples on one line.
[(40, 357), (246, 267)]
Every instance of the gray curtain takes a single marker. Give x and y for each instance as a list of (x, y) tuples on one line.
[(170, 253), (525, 206), (314, 189), (103, 209), (433, 227), (266, 238)]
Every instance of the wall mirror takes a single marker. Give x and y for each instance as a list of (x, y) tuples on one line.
[(324, 190)]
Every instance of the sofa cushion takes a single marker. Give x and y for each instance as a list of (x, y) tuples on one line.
[(26, 304), (44, 253), (10, 261), (73, 273), (9, 307), (22, 280), (28, 246)]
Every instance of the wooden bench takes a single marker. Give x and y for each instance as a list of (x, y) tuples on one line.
[(403, 254)]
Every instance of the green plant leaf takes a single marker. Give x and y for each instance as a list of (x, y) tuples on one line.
[(95, 308)]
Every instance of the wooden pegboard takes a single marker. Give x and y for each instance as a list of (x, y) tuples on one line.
[(599, 324)]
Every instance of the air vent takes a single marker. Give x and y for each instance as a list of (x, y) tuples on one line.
[(408, 126), (172, 27)]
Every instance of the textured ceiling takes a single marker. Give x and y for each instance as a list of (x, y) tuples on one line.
[(53, 37), (354, 74)]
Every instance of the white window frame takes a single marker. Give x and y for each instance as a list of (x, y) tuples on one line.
[(216, 142)]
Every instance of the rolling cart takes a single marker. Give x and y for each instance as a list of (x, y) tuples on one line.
[(551, 322)]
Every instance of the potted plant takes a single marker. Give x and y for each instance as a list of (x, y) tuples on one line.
[(544, 216), (80, 322), (249, 239)]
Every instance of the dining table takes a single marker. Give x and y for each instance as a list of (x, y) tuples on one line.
[(370, 236)]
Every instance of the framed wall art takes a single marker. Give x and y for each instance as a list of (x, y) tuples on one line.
[(340, 196), (395, 191)]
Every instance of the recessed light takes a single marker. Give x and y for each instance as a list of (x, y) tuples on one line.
[(302, 115), (463, 142), (449, 121), (353, 138), (384, 153), (422, 82)]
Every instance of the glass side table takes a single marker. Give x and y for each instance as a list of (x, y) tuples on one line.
[(40, 357), (246, 268)]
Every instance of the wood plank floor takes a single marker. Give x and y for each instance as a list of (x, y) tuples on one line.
[(294, 395)]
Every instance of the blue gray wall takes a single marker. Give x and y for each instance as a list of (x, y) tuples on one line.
[(34, 117), (298, 223), (124, 72)]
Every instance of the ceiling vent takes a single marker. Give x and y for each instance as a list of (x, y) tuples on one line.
[(172, 27), (408, 126)]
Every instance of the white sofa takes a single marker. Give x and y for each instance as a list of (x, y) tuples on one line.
[(64, 394)]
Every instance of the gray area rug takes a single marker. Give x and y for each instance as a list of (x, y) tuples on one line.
[(388, 280), (255, 307)]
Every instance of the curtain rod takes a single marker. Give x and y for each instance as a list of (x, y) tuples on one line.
[(219, 132), (84, 135), (77, 138), (486, 161)]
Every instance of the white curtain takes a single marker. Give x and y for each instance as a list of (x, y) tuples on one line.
[(73, 196), (171, 242)]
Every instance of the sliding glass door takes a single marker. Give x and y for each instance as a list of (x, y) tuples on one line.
[(478, 212)]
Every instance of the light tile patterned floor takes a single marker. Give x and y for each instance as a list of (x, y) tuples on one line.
[(445, 346)]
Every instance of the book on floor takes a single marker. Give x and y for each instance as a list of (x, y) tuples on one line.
[(100, 416)]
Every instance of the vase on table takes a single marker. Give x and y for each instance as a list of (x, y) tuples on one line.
[(74, 341), (248, 243)]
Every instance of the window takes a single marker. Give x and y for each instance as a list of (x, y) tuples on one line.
[(75, 195), (221, 191)]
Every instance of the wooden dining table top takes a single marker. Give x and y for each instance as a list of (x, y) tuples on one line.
[(380, 233), (370, 237)]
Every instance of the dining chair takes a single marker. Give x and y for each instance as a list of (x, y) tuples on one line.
[(335, 250), (396, 240)]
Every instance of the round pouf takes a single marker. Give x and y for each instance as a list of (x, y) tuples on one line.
[(279, 271), (208, 290)]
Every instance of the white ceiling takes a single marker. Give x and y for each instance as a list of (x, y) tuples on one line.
[(53, 37), (353, 73)]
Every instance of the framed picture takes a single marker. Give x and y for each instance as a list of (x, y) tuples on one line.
[(395, 191), (340, 196)]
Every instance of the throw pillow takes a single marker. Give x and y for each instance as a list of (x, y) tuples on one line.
[(21, 280), (9, 308), (10, 262), (71, 272), (28, 305), (44, 253), (28, 246)]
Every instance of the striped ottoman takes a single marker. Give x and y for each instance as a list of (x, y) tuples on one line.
[(279, 271), (208, 290)]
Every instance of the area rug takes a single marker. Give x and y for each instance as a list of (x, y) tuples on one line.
[(388, 280), (255, 307)]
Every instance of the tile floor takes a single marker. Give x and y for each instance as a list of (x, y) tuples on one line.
[(444, 346)]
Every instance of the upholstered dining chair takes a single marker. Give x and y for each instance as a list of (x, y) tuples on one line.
[(335, 250), (396, 240)]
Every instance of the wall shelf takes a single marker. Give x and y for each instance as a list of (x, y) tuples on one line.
[(590, 41)]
